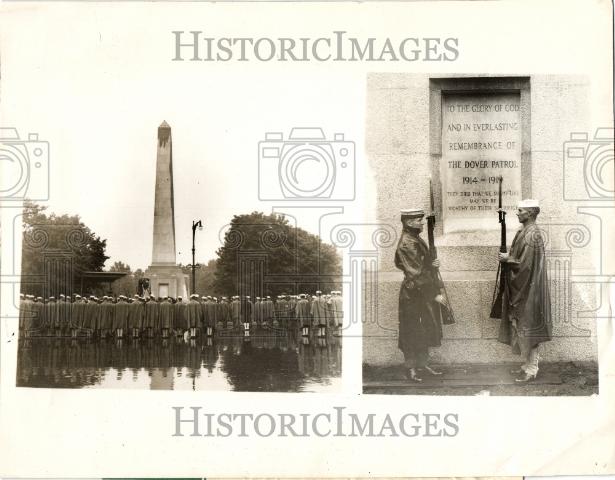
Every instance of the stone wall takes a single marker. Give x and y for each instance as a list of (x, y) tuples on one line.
[(403, 146)]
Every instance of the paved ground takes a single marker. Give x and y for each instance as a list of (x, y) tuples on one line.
[(554, 379)]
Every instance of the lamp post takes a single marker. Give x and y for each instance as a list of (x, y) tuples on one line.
[(195, 225)]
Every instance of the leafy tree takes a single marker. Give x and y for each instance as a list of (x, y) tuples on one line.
[(266, 255), (204, 278), (55, 250), (127, 285), (119, 267)]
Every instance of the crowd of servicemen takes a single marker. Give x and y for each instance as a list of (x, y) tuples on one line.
[(151, 316)]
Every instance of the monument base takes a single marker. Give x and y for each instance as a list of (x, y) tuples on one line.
[(167, 281)]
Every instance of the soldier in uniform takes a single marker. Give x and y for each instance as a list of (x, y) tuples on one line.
[(107, 316), (303, 314), (268, 311), (292, 304), (419, 328), (76, 315), (281, 311), (32, 315), (336, 308), (136, 312), (319, 313), (236, 311), (257, 312), (151, 317), (27, 312), (90, 316), (224, 313), (120, 319), (180, 316), (51, 316), (526, 305), (194, 313), (246, 313), (211, 316), (166, 310), (63, 317)]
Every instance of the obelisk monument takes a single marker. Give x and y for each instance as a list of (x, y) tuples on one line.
[(166, 277)]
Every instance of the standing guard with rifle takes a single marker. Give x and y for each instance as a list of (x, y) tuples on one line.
[(442, 310), (521, 298), (419, 296)]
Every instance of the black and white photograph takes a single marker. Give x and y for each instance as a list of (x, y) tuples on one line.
[(491, 282), (277, 239), (264, 313)]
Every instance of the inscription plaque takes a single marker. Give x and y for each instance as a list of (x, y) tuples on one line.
[(481, 140)]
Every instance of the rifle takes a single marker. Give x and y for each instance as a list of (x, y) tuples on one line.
[(445, 312), (500, 282)]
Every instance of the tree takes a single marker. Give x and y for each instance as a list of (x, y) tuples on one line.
[(127, 285), (56, 249), (265, 255), (205, 277)]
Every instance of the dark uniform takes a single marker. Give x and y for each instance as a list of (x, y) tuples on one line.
[(223, 313), (419, 328), (120, 321), (236, 311), (303, 314), (166, 316), (319, 313), (180, 316), (194, 314), (526, 305), (151, 317), (136, 316), (267, 311), (337, 310)]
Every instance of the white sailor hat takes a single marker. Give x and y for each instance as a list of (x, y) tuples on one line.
[(269, 297), (528, 203), (412, 213), (318, 291)]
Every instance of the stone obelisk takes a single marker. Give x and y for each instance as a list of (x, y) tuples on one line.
[(166, 277)]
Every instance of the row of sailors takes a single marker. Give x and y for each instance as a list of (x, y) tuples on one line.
[(109, 315)]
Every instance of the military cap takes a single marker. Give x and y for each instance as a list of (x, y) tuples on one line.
[(412, 213), (529, 203)]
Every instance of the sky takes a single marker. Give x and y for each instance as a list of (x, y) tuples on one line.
[(101, 110), (95, 82)]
